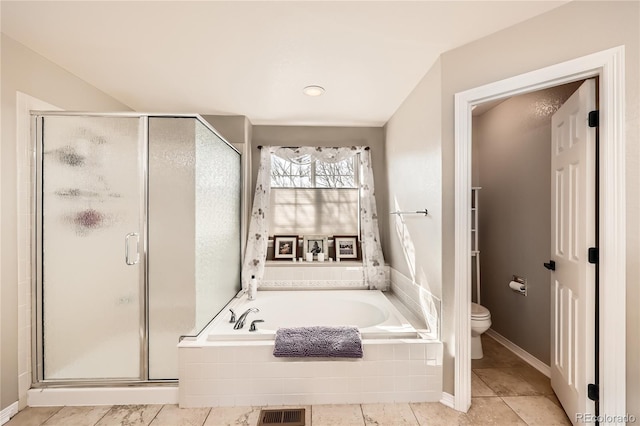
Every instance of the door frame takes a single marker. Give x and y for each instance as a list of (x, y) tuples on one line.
[(608, 65)]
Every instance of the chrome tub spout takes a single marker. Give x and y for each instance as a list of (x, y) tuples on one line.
[(240, 323)]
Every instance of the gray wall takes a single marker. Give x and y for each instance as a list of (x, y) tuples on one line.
[(512, 156), (25, 71), (332, 136), (570, 31)]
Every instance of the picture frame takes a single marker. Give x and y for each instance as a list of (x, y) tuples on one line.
[(316, 244), (285, 247), (346, 247)]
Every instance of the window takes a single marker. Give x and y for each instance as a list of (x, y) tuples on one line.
[(314, 197), (287, 174), (306, 173)]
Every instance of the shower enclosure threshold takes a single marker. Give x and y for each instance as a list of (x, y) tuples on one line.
[(125, 395)]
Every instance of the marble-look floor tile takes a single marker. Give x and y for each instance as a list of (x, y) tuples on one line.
[(480, 388), (553, 398), (537, 410), (496, 356), (506, 382), (32, 416), (488, 411), (536, 379), (435, 414), (172, 415), (336, 415), (78, 416), (129, 415), (398, 414), (233, 416)]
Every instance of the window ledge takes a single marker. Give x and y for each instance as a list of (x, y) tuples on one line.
[(314, 264)]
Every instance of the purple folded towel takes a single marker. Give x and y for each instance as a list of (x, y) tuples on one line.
[(335, 342)]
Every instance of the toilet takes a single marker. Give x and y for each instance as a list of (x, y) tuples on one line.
[(480, 322)]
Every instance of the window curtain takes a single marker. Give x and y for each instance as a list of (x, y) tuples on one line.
[(256, 251), (255, 254), (370, 234), (308, 154)]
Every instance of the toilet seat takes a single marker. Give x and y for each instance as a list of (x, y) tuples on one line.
[(479, 312)]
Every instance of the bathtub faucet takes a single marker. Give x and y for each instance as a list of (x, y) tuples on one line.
[(240, 323)]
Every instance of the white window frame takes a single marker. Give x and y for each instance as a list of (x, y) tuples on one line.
[(313, 174)]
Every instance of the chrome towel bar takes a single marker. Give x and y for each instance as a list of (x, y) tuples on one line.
[(424, 212)]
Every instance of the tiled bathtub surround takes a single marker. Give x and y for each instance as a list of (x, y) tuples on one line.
[(227, 367), (286, 274), (421, 302), (236, 374)]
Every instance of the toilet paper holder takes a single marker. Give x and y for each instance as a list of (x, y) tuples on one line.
[(518, 285)]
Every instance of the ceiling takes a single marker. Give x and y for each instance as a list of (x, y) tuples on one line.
[(254, 58)]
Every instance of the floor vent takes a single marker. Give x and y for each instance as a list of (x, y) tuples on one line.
[(288, 417)]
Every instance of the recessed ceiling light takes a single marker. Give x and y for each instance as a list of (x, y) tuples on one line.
[(313, 90)]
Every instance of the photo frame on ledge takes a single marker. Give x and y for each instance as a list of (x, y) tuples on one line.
[(346, 247), (316, 244), (285, 247)]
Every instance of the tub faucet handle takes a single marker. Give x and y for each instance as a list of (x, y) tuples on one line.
[(233, 316), (253, 327)]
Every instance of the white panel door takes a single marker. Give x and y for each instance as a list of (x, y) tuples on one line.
[(573, 232)]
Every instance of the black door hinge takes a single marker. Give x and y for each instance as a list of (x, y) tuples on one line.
[(593, 392), (594, 118), (593, 255)]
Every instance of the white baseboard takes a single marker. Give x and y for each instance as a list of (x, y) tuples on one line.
[(7, 413), (102, 396), (447, 399), (526, 356)]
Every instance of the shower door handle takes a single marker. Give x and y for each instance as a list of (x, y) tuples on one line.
[(127, 258)]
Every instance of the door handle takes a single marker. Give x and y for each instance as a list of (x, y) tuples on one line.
[(127, 259), (551, 265)]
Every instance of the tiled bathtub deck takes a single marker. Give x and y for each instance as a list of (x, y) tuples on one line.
[(390, 371), (505, 390)]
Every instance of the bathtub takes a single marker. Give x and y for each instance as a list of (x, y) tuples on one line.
[(369, 310), (227, 367)]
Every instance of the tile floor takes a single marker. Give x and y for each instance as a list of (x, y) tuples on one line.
[(505, 391)]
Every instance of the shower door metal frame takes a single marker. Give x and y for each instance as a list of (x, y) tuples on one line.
[(38, 379), (37, 359)]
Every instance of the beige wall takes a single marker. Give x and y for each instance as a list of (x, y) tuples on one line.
[(25, 71), (512, 156), (414, 162), (231, 127), (413, 149), (332, 136)]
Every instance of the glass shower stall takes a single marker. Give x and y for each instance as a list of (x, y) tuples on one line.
[(136, 243)]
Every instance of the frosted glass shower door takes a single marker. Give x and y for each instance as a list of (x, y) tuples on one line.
[(91, 246), (194, 234)]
